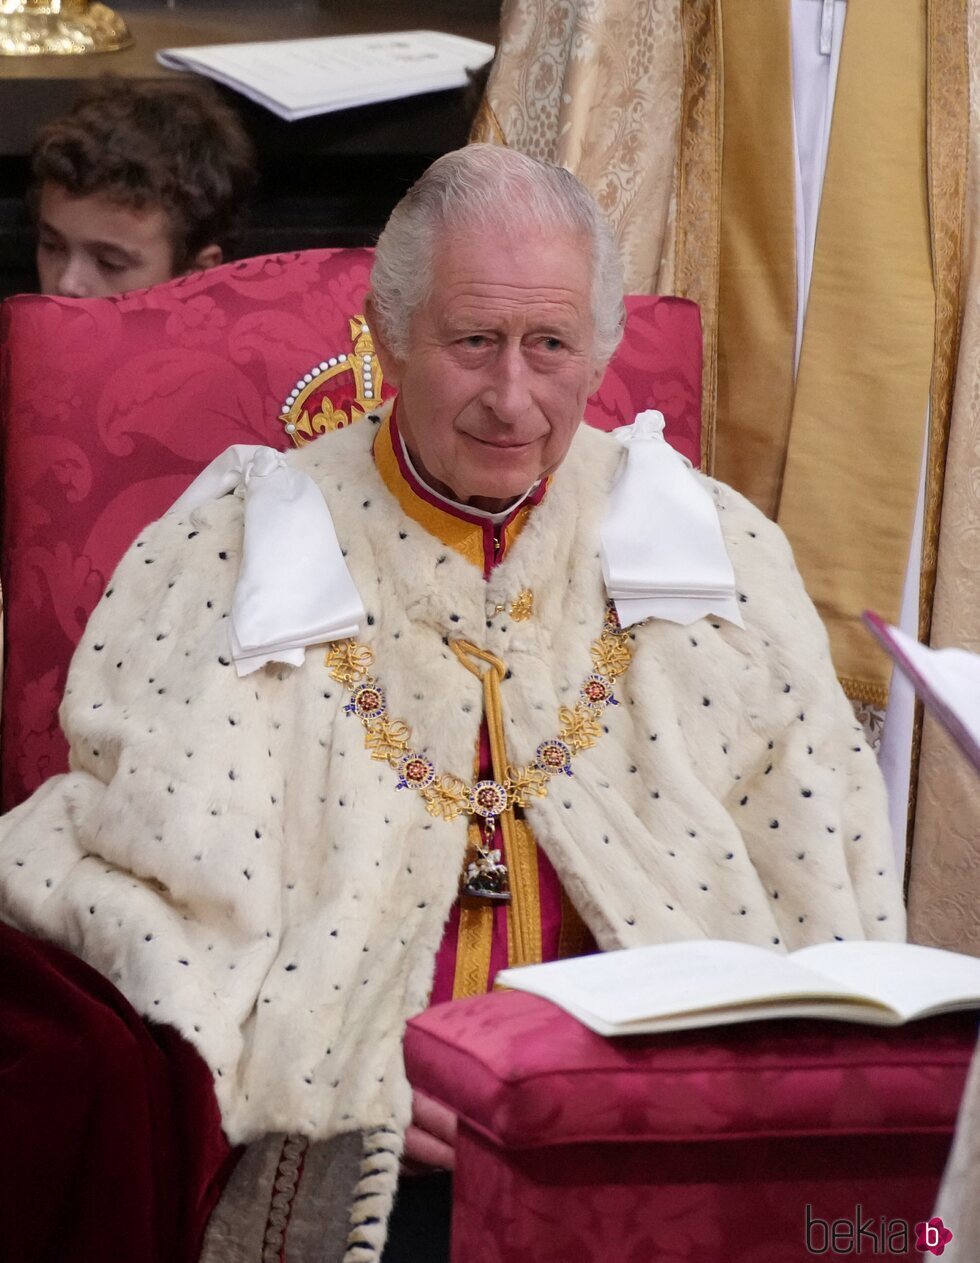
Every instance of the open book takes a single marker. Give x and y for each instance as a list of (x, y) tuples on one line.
[(297, 78), (706, 982), (947, 680)]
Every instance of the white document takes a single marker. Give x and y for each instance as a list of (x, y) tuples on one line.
[(947, 680), (678, 986), (298, 78)]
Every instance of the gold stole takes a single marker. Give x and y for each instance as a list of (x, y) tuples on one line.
[(757, 266), (836, 461), (520, 852)]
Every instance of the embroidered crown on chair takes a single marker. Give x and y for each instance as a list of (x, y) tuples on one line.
[(336, 392)]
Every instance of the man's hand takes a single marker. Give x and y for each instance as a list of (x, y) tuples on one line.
[(430, 1141)]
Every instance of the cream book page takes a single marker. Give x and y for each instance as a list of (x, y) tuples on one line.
[(678, 986), (912, 980), (669, 986)]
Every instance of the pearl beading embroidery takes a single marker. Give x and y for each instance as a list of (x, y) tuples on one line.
[(367, 377), (310, 408)]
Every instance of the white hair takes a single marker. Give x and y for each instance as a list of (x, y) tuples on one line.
[(479, 187)]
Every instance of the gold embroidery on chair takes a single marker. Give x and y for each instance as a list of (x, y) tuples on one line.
[(309, 411)]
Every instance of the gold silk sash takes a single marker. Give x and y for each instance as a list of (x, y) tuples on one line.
[(836, 461), (757, 265), (520, 849), (476, 919), (855, 445), (524, 919), (475, 940)]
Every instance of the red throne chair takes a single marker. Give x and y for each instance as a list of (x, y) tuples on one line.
[(109, 407)]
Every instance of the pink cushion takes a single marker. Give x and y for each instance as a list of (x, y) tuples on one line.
[(748, 1200), (111, 406), (524, 1073)]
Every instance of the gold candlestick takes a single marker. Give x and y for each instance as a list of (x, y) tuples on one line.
[(29, 28)]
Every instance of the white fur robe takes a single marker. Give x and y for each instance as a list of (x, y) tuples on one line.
[(226, 851)]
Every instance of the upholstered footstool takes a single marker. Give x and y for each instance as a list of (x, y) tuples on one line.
[(767, 1142)]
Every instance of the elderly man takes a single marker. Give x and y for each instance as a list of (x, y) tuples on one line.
[(432, 696)]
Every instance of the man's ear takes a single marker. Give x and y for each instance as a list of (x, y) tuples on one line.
[(207, 257), (391, 365)]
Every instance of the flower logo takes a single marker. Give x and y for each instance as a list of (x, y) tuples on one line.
[(933, 1236)]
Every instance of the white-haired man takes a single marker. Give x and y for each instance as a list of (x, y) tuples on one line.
[(449, 703)]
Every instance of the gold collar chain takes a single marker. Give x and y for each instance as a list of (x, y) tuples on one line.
[(446, 796)]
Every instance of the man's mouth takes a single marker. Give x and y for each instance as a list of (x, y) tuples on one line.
[(503, 445)]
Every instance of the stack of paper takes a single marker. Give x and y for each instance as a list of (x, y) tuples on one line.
[(301, 77)]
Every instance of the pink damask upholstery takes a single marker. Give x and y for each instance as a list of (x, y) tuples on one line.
[(693, 1147), (109, 407)]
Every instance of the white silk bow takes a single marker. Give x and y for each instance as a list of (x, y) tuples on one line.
[(294, 588), (663, 553)]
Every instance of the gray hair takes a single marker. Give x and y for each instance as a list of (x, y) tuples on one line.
[(479, 187)]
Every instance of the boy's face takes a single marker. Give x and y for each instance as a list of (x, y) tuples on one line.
[(91, 247)]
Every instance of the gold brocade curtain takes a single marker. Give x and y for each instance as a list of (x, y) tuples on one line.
[(944, 861), (596, 86)]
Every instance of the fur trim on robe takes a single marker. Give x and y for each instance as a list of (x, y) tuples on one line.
[(227, 852)]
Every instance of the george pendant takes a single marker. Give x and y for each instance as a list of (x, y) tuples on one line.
[(486, 877)]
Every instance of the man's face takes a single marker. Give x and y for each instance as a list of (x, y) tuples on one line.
[(500, 363), (91, 247)]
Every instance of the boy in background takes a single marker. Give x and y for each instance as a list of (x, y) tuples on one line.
[(137, 184)]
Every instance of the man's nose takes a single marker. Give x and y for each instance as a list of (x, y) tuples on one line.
[(74, 281), (509, 394)]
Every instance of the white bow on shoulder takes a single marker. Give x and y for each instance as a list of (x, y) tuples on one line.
[(663, 553), (294, 588)]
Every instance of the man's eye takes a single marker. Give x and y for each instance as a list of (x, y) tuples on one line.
[(552, 344), (475, 340)]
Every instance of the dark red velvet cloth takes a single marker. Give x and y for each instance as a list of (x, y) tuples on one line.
[(689, 1147), (112, 1149)]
